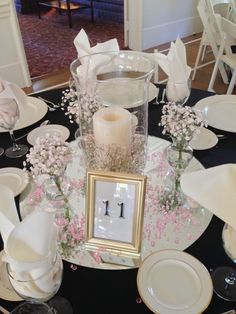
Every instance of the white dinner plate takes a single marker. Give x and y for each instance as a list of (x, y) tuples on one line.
[(219, 111), (204, 140), (14, 178), (33, 111), (172, 281), (51, 129), (6, 291)]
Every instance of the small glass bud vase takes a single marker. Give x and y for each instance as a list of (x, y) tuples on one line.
[(57, 188), (178, 156)]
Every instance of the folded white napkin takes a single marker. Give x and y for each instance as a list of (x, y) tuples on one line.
[(30, 250), (87, 70), (10, 93), (8, 213), (214, 189), (174, 64)]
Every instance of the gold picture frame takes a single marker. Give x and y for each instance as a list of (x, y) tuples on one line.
[(114, 213)]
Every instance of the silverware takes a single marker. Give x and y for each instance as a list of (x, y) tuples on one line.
[(162, 101), (163, 96), (49, 103), (22, 136), (229, 312), (3, 310), (221, 136)]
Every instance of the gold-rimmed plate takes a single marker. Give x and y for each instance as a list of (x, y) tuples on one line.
[(172, 281)]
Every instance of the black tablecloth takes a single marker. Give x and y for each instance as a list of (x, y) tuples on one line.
[(92, 291)]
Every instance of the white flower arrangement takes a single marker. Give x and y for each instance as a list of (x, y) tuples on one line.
[(50, 155), (181, 123), (80, 107)]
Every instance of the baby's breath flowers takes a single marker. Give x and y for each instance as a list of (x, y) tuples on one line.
[(80, 107), (181, 123), (50, 155)]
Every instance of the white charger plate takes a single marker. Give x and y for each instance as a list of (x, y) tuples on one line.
[(219, 111), (14, 178), (51, 129), (6, 291), (32, 112), (172, 281), (204, 140)]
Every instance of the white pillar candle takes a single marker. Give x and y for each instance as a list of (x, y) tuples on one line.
[(112, 125)]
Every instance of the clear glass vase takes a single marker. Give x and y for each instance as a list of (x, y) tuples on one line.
[(113, 115), (178, 156)]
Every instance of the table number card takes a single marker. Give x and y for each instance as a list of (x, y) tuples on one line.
[(114, 215)]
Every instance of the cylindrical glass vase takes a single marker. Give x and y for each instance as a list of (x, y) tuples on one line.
[(113, 92)]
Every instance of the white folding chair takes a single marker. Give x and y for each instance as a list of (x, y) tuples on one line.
[(211, 35), (225, 53)]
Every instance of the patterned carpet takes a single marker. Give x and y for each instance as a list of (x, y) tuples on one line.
[(49, 42)]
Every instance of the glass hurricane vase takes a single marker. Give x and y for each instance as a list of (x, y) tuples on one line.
[(178, 156), (113, 108)]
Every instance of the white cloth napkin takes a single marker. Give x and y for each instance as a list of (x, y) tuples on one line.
[(9, 93), (30, 250), (214, 189), (174, 64), (8, 213), (87, 70)]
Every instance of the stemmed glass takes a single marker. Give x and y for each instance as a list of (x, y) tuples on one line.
[(224, 277), (37, 286), (178, 92), (9, 115)]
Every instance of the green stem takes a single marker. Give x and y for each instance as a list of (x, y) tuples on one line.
[(65, 199)]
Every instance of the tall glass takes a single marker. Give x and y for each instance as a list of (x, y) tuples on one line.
[(179, 92), (112, 92), (36, 286), (9, 115), (224, 277)]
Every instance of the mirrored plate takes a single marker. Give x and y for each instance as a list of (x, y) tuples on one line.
[(172, 281), (204, 140), (50, 129), (219, 111), (34, 110), (14, 178), (6, 291)]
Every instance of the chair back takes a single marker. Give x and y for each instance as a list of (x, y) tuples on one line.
[(228, 30), (208, 20)]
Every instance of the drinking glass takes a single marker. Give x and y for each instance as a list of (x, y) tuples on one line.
[(36, 287), (178, 93), (224, 277), (9, 116)]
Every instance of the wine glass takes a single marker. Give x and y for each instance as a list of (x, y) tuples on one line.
[(224, 277), (9, 115), (178, 92), (37, 286)]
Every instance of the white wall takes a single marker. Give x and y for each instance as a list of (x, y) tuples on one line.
[(162, 21), (13, 64)]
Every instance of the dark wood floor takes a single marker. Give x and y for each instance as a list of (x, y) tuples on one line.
[(201, 80)]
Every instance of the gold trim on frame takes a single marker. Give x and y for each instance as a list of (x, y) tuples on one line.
[(128, 249)]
